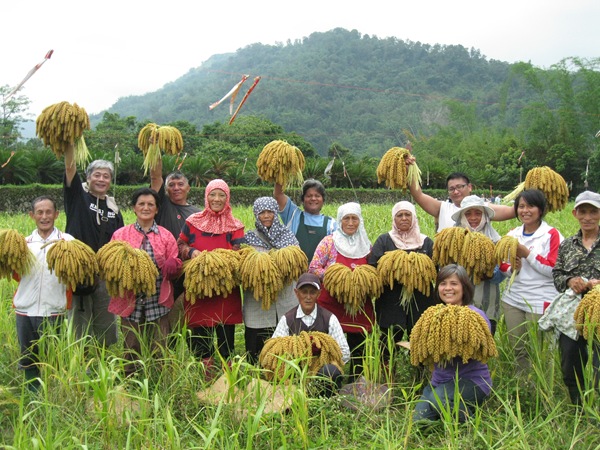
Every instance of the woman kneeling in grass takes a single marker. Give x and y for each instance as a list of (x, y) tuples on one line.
[(473, 380)]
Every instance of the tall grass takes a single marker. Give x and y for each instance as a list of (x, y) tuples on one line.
[(85, 401)]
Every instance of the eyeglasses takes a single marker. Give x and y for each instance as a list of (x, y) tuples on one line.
[(458, 187)]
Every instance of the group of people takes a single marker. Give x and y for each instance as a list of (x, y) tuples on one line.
[(171, 231)]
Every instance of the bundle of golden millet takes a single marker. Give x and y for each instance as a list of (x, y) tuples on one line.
[(126, 269), (266, 273), (281, 163), (260, 274), (153, 138), (445, 332), (470, 249), (15, 256), (551, 183), (587, 314), (394, 170), (352, 288), (62, 124), (211, 273), (73, 262), (291, 261), (413, 270), (312, 348), (506, 251)]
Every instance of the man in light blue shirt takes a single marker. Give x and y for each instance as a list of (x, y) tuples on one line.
[(309, 226)]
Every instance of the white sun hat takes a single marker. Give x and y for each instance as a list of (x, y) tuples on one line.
[(473, 201)]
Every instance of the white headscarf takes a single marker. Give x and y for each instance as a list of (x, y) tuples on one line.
[(411, 239), (356, 245)]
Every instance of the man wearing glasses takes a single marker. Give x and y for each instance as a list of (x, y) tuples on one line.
[(459, 187)]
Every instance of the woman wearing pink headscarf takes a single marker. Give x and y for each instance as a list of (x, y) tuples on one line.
[(214, 227), (405, 235)]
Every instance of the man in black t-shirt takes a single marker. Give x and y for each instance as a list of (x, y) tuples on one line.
[(92, 217), (173, 193), (174, 209)]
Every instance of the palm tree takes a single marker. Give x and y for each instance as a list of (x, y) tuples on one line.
[(16, 168), (129, 170), (220, 165), (198, 169), (46, 168), (242, 174), (315, 168)]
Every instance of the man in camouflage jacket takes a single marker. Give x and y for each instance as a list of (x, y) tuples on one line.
[(578, 268)]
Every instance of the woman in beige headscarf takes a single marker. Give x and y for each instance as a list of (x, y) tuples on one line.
[(405, 235)]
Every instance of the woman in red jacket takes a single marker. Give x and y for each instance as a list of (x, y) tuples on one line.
[(213, 228)]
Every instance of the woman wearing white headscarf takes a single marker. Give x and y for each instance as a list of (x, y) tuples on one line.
[(269, 234), (348, 245), (392, 316), (475, 215)]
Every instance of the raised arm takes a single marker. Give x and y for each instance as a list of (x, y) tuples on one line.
[(280, 196), (70, 166), (156, 178), (429, 204), (502, 212)]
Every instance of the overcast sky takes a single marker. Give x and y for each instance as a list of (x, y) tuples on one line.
[(111, 49)]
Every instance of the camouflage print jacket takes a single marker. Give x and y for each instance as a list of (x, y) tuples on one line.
[(574, 260)]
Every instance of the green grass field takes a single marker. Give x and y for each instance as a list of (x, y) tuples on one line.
[(85, 403)]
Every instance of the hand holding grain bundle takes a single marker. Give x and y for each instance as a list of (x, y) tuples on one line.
[(394, 170), (61, 125), (73, 263), (445, 332), (126, 269), (15, 256), (153, 138), (281, 163), (312, 348)]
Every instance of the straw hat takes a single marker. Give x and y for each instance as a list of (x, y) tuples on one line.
[(473, 201)]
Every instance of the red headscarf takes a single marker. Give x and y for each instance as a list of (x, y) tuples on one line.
[(220, 222)]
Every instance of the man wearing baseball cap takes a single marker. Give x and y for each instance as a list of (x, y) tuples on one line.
[(578, 268), (308, 316)]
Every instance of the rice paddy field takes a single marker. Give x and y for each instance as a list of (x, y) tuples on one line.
[(85, 402)]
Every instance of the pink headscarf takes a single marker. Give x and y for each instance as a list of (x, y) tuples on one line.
[(413, 238), (212, 222)]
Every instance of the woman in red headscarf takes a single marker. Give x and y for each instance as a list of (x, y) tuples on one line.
[(214, 227)]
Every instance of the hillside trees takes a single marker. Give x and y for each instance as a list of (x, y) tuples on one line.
[(13, 114), (353, 97)]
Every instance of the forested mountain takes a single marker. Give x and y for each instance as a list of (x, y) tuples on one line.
[(341, 86), (354, 96)]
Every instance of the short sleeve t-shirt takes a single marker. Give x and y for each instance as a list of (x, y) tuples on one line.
[(89, 218), (172, 216), (290, 216)]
